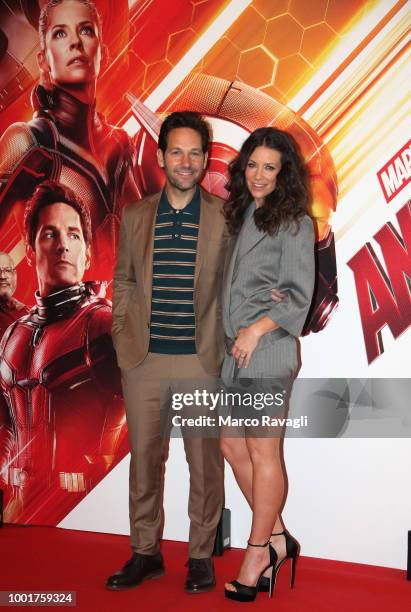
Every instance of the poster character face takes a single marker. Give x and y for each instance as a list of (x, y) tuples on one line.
[(8, 276), (262, 169), (60, 252), (73, 48), (183, 161)]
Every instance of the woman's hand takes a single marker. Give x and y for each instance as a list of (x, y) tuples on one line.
[(245, 345), (248, 337)]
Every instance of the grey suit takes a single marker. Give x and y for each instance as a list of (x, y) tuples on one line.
[(258, 263)]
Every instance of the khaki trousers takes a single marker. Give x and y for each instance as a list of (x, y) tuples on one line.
[(147, 394)]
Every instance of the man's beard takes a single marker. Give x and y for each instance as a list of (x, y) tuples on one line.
[(183, 186), (5, 294)]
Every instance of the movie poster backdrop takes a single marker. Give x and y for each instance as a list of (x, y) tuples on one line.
[(331, 73)]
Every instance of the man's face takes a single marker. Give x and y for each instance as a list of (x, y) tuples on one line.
[(60, 252), (183, 161), (8, 276)]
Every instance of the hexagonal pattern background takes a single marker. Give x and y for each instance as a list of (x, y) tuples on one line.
[(276, 45), (161, 33)]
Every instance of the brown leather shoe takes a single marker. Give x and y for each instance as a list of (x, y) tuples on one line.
[(138, 568), (200, 576)]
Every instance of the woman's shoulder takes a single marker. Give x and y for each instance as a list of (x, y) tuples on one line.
[(307, 224), (304, 225), (116, 133), (15, 142)]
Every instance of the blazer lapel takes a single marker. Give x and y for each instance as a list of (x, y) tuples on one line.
[(205, 231), (229, 258), (229, 271), (250, 237), (149, 224), (231, 265)]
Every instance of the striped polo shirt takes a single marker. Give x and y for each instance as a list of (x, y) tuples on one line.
[(172, 326)]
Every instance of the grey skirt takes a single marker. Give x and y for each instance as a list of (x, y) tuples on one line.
[(255, 400)]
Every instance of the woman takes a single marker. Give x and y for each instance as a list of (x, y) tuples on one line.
[(67, 140), (273, 246)]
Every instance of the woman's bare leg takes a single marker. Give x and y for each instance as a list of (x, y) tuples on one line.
[(235, 451), (267, 493)]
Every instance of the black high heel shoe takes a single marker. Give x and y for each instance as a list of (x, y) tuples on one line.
[(292, 552), (244, 592)]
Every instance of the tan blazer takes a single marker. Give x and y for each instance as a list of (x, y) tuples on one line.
[(133, 279)]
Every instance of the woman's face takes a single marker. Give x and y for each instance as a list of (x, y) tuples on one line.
[(261, 172), (73, 47)]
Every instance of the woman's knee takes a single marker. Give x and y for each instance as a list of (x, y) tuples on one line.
[(263, 451), (231, 449)]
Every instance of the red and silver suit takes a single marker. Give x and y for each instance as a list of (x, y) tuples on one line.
[(69, 142), (62, 421)]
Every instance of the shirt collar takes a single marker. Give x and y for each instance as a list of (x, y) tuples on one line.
[(192, 207)]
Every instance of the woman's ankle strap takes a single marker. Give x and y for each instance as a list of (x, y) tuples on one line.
[(281, 533), (258, 545)]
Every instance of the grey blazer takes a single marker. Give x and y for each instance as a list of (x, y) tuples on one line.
[(258, 263)]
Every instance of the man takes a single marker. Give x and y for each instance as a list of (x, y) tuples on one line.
[(167, 327), (61, 414), (10, 308)]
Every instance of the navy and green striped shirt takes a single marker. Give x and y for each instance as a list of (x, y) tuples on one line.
[(172, 326)]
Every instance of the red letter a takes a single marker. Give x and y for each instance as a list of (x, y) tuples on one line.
[(377, 304), (396, 250)]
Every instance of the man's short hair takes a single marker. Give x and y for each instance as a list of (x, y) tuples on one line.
[(184, 119), (46, 194)]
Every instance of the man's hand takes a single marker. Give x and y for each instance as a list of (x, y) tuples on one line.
[(277, 296)]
